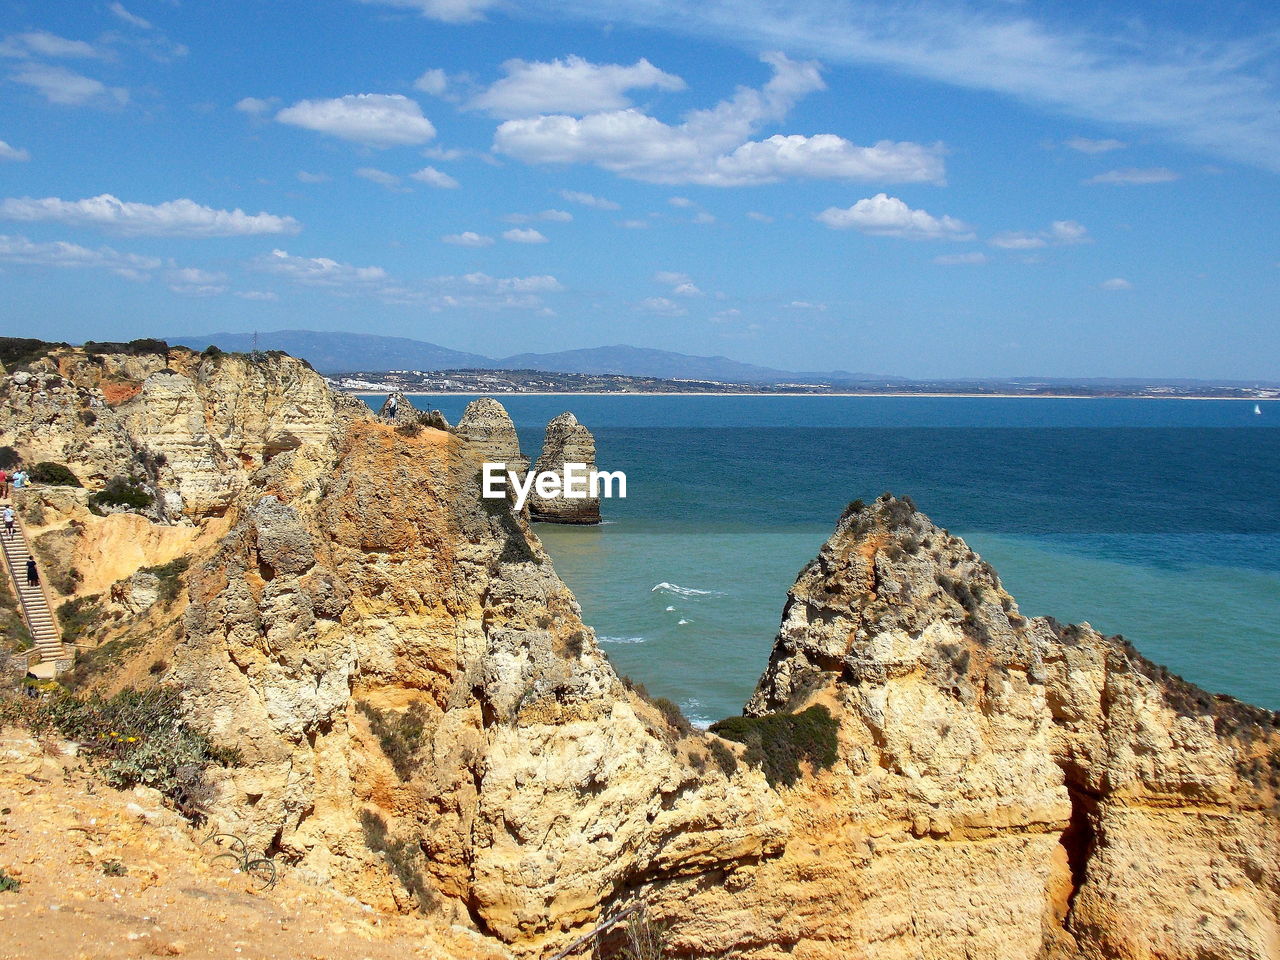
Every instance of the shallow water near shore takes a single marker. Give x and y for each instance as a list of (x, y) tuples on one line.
[(1157, 519)]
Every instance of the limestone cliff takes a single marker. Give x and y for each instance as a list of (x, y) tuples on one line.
[(566, 441), (426, 723), (487, 429)]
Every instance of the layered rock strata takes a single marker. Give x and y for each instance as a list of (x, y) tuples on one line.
[(566, 441), (487, 430)]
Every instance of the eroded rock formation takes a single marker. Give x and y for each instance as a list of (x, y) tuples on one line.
[(486, 428), (566, 441), (426, 723)]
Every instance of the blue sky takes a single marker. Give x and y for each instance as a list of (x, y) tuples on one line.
[(983, 189)]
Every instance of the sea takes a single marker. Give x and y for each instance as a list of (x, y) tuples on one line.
[(1158, 519)]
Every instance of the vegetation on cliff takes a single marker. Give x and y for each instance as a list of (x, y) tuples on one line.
[(779, 742)]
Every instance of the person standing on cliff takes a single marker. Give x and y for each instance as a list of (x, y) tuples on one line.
[(33, 574), (392, 405), (8, 522), (4, 484)]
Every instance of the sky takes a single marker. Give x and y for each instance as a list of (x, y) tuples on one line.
[(998, 188)]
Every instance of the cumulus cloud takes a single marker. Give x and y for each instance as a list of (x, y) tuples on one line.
[(68, 88), (380, 177), (260, 295), (373, 119), (194, 282), (255, 106), (712, 147), (13, 153), (634, 224), (17, 249), (589, 200), (681, 284), (680, 202), (306, 177), (317, 271), (1130, 176), (447, 11), (961, 259), (435, 82), (542, 283), (886, 216), (1085, 145), (662, 306), (175, 218), (1060, 233), (759, 217), (468, 239), (435, 178), (1116, 283), (572, 85), (523, 235)]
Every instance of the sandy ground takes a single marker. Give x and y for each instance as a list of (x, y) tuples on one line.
[(58, 827)]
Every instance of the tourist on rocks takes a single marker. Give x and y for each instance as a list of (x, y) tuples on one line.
[(392, 404), (19, 479), (4, 484), (8, 522), (33, 575)]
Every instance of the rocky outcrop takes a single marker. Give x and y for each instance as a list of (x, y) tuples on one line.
[(567, 441), (487, 430), (193, 427)]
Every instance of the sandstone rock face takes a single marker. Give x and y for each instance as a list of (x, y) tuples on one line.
[(487, 430), (567, 441), (195, 427)]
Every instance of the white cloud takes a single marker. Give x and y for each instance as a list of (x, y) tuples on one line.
[(16, 249), (448, 11), (174, 218), (886, 216), (572, 85), (435, 178), (68, 88), (1134, 176), (1213, 90), (807, 305), (306, 177), (13, 153), (542, 283), (265, 296), (194, 282), (759, 217), (661, 306), (1085, 145), (523, 235), (317, 271), (1116, 283), (373, 119), (681, 284), (550, 216), (255, 106), (704, 218), (711, 147), (961, 259), (380, 177), (589, 200), (681, 202), (129, 18), (41, 43), (634, 224), (468, 239), (1060, 233), (434, 82)]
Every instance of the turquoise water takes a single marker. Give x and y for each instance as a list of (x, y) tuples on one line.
[(1156, 519)]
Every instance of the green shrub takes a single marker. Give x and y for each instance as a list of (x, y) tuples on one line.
[(780, 741), (9, 884), (19, 351), (725, 758), (170, 575), (79, 618), (134, 348), (403, 857), (54, 474), (122, 492), (399, 734), (135, 738), (674, 716)]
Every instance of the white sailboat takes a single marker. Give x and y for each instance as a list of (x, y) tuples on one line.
[(1257, 409)]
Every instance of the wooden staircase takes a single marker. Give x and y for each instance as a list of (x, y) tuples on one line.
[(52, 655)]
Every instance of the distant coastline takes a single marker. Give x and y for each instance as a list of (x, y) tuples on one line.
[(775, 393)]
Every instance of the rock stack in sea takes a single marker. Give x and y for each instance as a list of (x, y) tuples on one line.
[(567, 441), (399, 410), (487, 430)]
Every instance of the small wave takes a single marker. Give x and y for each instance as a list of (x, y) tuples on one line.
[(680, 591), (671, 610), (681, 622), (693, 711), (622, 639)]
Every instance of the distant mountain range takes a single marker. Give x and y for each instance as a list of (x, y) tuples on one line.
[(363, 352)]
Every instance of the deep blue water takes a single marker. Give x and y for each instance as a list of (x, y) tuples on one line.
[(1158, 519)]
